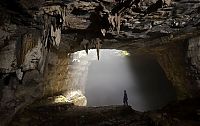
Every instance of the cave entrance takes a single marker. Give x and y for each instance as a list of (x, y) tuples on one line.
[(145, 81)]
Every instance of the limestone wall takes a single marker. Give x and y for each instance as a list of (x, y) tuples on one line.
[(172, 60), (193, 61)]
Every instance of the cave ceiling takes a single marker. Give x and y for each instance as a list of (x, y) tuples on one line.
[(118, 24)]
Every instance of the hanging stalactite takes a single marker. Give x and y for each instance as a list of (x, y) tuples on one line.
[(27, 43), (85, 45), (54, 19), (98, 46)]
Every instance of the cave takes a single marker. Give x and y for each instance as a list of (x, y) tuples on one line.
[(67, 62), (143, 78)]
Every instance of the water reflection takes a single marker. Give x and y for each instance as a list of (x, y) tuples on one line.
[(145, 82)]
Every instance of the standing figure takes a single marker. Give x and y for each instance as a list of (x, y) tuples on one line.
[(125, 99)]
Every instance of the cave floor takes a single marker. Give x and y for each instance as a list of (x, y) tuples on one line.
[(183, 113)]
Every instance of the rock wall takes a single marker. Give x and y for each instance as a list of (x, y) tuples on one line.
[(172, 60), (26, 56), (21, 78), (180, 62), (66, 75), (193, 61)]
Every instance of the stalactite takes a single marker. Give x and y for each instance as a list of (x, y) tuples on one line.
[(115, 22), (28, 43), (54, 19), (114, 16), (98, 46), (85, 44), (111, 21), (54, 22), (116, 19), (118, 23)]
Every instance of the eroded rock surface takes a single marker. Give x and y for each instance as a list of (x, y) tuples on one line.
[(36, 38)]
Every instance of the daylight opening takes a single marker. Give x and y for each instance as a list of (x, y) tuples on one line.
[(104, 81)]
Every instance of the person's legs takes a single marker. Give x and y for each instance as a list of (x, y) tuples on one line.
[(126, 103)]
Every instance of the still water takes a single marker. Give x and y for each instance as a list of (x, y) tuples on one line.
[(143, 78)]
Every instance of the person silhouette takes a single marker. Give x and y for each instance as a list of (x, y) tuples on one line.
[(125, 99)]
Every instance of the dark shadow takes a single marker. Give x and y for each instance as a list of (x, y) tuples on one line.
[(153, 89)]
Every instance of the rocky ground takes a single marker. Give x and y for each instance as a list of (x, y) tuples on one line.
[(183, 113)]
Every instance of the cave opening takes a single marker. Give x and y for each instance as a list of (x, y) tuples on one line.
[(141, 76)]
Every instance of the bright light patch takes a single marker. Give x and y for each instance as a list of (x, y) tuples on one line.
[(77, 98), (124, 53), (60, 99)]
